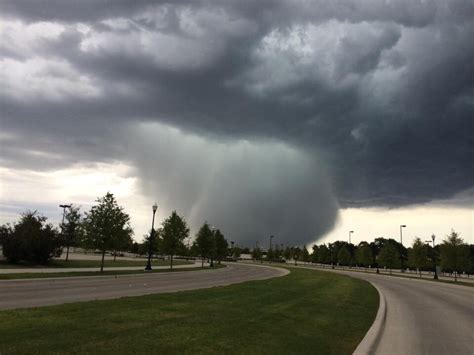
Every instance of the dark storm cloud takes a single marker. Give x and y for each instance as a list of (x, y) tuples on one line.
[(381, 93)]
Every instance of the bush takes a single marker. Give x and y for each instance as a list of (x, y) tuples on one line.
[(30, 240)]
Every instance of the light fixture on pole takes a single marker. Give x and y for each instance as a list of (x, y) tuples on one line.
[(62, 228), (433, 237), (401, 238), (401, 242), (150, 242), (350, 232)]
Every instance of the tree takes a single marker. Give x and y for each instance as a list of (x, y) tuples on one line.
[(237, 252), (287, 253), (173, 232), (257, 253), (71, 229), (107, 226), (304, 254), (364, 254), (344, 255), (324, 255), (454, 254), (31, 240), (418, 255), (205, 243), (221, 245), (296, 253), (315, 254), (270, 254), (389, 256)]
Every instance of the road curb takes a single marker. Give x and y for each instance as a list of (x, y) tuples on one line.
[(371, 339)]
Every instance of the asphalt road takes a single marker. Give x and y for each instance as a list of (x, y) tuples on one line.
[(424, 317), (43, 292)]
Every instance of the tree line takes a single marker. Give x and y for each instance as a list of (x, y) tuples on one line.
[(106, 228), (453, 254)]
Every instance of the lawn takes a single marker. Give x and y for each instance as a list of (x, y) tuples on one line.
[(53, 274), (305, 312), (76, 263)]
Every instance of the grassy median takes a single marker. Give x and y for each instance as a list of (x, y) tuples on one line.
[(76, 263), (47, 275), (301, 313)]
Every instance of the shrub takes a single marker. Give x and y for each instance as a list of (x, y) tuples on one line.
[(30, 240)]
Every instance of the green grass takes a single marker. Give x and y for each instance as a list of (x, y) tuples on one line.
[(43, 275), (73, 263), (306, 312), (407, 276)]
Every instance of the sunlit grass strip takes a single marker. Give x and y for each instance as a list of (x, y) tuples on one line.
[(44, 275), (304, 312), (76, 263)]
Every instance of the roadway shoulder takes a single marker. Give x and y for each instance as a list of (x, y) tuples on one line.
[(371, 339)]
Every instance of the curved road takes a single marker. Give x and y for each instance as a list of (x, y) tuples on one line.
[(42, 292), (423, 317)]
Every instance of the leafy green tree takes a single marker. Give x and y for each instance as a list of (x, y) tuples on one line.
[(344, 256), (364, 254), (389, 257), (237, 252), (205, 242), (418, 255), (454, 254), (134, 248), (71, 229), (296, 253), (270, 254), (278, 252), (334, 250), (304, 254), (314, 254), (107, 226), (379, 243), (31, 240), (257, 253), (287, 253), (174, 231), (324, 255), (222, 247)]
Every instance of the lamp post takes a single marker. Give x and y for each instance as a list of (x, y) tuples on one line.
[(62, 228), (350, 232), (150, 242), (433, 237), (401, 238), (401, 242)]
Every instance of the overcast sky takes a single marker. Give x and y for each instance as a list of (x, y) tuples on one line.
[(301, 119)]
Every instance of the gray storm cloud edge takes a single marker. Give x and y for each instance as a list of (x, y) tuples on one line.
[(381, 92)]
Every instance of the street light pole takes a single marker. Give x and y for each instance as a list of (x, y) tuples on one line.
[(401, 242), (62, 228), (401, 239), (434, 258), (150, 242), (350, 232)]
